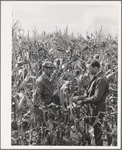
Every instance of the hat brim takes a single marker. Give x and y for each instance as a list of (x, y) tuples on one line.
[(49, 67)]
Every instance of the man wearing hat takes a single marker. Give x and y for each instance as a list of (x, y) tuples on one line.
[(97, 92), (45, 85)]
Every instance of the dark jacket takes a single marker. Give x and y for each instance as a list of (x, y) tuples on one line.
[(44, 89), (98, 91)]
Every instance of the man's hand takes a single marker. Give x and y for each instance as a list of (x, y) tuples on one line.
[(76, 98), (55, 92)]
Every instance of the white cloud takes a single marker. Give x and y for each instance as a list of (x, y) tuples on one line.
[(79, 18), (95, 17), (27, 7)]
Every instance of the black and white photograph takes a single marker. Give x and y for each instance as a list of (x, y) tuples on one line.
[(61, 74)]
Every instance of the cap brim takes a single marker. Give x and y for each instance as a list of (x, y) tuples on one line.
[(49, 67)]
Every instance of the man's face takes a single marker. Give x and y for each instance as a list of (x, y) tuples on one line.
[(49, 71), (92, 70)]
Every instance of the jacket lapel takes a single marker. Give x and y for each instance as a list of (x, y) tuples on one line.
[(91, 86), (47, 83)]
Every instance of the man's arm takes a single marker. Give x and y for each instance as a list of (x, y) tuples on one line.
[(99, 92), (54, 77), (38, 92)]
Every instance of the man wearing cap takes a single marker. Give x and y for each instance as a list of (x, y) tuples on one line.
[(45, 84), (97, 92)]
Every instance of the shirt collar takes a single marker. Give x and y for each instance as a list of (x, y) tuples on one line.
[(99, 73), (45, 76)]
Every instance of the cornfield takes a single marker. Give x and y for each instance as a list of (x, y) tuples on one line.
[(58, 125)]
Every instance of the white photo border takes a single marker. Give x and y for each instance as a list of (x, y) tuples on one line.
[(6, 38)]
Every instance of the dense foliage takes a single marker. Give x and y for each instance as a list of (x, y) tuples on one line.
[(53, 124)]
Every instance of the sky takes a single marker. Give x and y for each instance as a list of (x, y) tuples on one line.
[(79, 17)]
